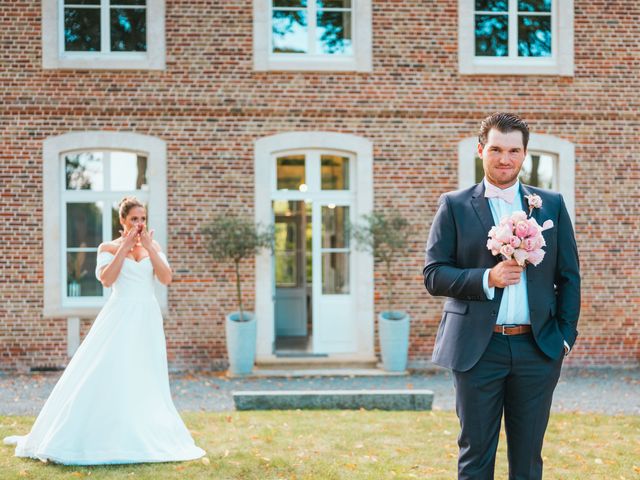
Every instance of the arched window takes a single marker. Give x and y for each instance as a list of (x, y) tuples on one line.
[(85, 176)]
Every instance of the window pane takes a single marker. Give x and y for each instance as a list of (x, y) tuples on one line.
[(290, 173), (537, 170), (334, 33), (128, 171), (84, 171), (128, 30), (492, 35), (82, 2), (492, 5), (334, 3), (334, 227), (335, 273), (82, 29), (534, 36), (479, 170), (534, 5), (335, 172), (289, 3), (115, 221), (81, 281), (289, 31), (84, 225), (290, 225), (128, 2)]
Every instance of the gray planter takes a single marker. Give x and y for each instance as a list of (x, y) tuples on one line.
[(241, 343), (394, 340)]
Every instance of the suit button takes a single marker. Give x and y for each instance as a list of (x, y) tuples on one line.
[(494, 313)]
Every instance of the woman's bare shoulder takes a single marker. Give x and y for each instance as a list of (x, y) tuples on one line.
[(109, 247)]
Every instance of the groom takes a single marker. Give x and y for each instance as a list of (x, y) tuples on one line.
[(505, 329)]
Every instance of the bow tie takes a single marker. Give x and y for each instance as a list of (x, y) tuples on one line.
[(491, 191)]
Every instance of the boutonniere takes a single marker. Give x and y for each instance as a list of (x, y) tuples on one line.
[(534, 202)]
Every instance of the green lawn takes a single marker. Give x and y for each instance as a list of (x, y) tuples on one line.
[(325, 445)]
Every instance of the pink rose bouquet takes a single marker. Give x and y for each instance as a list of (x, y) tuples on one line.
[(519, 237)]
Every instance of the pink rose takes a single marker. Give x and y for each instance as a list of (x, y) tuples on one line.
[(534, 228), (534, 201), (528, 244), (494, 245), (522, 229), (506, 222), (507, 250), (515, 241), (536, 256), (521, 256), (518, 216), (539, 242), (503, 233)]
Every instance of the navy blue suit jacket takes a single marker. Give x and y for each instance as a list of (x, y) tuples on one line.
[(457, 257)]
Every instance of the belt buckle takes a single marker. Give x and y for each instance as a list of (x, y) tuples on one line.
[(504, 329)]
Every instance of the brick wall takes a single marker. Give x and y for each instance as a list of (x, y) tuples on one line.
[(210, 106)]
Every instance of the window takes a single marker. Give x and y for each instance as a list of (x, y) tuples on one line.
[(312, 35), (103, 34), (540, 169), (94, 183), (516, 37), (550, 164), (85, 176)]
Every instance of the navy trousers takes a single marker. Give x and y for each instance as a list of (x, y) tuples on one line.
[(512, 376)]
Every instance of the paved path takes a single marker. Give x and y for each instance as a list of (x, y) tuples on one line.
[(605, 390)]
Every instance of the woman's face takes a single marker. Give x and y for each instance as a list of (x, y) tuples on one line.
[(136, 219)]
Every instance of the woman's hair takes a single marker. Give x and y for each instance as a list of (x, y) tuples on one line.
[(126, 204)]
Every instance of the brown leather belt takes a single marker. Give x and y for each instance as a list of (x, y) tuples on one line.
[(512, 329)]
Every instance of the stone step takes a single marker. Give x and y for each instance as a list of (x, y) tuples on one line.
[(291, 371), (402, 399)]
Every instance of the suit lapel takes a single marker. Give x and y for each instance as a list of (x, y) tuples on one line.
[(481, 206), (525, 203)]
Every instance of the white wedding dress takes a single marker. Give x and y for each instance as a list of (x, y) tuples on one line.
[(112, 404)]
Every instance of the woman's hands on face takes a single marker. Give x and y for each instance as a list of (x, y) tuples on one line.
[(146, 237), (130, 238)]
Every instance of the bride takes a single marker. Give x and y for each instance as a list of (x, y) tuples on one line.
[(112, 404)]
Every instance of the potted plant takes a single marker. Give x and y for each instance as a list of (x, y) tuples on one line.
[(232, 238), (386, 237)]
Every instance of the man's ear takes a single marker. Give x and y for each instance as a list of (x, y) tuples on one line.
[(480, 148)]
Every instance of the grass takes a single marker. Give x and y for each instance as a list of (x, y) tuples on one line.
[(327, 445)]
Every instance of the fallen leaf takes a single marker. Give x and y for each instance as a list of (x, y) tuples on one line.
[(205, 461)]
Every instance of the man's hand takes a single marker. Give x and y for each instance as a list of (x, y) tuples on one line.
[(504, 274)]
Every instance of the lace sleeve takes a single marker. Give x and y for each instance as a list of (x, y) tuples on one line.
[(104, 259)]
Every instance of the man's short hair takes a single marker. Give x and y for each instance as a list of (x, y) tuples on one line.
[(503, 122)]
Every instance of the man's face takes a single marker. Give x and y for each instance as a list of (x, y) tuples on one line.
[(502, 157)]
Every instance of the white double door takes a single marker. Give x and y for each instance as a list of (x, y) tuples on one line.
[(320, 279)]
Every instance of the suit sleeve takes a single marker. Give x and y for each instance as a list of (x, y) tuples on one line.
[(567, 278), (442, 275)]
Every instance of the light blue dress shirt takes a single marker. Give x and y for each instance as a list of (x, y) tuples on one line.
[(514, 306)]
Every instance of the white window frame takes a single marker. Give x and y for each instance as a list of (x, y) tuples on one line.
[(561, 61), (360, 151), (55, 57), (54, 227), (360, 61), (107, 198), (562, 150)]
